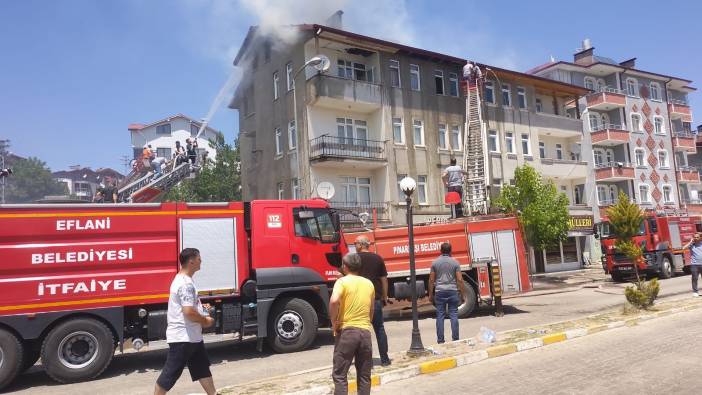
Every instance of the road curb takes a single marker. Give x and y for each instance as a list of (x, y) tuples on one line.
[(441, 364)]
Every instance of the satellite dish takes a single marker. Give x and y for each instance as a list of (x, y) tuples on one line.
[(325, 190)]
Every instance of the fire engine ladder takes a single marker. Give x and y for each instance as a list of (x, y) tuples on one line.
[(158, 185), (474, 188)]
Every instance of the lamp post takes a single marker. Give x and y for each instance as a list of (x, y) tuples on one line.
[(408, 186), (322, 64)]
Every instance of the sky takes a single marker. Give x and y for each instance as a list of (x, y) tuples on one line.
[(75, 73)]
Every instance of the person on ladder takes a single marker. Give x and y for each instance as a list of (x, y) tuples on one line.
[(453, 179)]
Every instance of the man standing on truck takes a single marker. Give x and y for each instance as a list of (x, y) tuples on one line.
[(351, 312), (186, 318), (695, 246), (445, 277), (373, 268), (453, 179)]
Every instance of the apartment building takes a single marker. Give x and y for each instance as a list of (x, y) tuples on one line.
[(84, 182), (637, 131), (163, 134)]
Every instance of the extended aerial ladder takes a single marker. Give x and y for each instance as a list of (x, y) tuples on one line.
[(142, 186), (474, 150)]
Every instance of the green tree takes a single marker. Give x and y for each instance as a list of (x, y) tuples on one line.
[(542, 210), (218, 180), (31, 180)]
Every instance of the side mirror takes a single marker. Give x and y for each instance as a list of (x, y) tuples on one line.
[(597, 235)]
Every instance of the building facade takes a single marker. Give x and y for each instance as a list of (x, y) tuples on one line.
[(163, 134), (83, 182)]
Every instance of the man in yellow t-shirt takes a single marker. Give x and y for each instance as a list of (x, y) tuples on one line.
[(351, 312)]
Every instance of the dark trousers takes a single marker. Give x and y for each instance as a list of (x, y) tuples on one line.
[(379, 329), (459, 206), (442, 299), (352, 344), (695, 270)]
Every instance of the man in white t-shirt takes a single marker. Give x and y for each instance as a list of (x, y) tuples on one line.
[(453, 179), (186, 318)]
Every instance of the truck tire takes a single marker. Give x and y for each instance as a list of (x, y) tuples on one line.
[(292, 325), (77, 350), (469, 305), (11, 357), (666, 270), (32, 350)]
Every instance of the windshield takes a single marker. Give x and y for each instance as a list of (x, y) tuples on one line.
[(606, 232), (320, 227)]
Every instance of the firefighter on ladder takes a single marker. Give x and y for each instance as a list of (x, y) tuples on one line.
[(453, 179)]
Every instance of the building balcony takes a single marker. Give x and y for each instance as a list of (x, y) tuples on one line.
[(692, 202), (679, 109), (688, 175), (557, 126), (684, 141), (345, 94), (609, 135), (350, 213), (614, 171), (563, 169), (332, 151), (605, 100)]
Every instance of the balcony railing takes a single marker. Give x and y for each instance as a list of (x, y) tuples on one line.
[(678, 102), (613, 164), (614, 171), (606, 98), (349, 211), (327, 147), (683, 134), (607, 126), (692, 201), (608, 89), (688, 174)]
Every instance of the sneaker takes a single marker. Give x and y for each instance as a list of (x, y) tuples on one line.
[(695, 294), (386, 362)]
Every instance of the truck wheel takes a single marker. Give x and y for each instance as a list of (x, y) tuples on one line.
[(617, 277), (468, 306), (666, 269), (32, 349), (11, 356), (292, 325), (76, 350)]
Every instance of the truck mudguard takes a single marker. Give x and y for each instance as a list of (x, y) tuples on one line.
[(31, 328), (272, 282)]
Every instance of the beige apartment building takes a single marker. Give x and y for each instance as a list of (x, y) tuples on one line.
[(385, 110)]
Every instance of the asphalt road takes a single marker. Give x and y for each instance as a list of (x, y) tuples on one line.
[(661, 356), (238, 363)]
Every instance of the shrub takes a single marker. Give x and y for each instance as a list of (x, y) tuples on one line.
[(643, 294)]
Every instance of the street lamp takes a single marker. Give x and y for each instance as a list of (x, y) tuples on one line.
[(321, 63), (408, 185)]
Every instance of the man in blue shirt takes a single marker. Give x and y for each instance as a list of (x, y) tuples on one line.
[(695, 246), (445, 278)]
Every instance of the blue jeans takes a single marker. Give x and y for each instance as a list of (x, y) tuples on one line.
[(695, 270), (441, 300), (379, 329)]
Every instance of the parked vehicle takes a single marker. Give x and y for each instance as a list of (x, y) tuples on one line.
[(661, 236)]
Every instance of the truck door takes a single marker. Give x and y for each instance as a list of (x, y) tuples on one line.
[(216, 240), (316, 238), (507, 257), (270, 235)]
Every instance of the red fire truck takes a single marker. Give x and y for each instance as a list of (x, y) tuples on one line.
[(79, 280), (477, 243), (661, 236)]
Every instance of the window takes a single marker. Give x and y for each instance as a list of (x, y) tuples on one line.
[(194, 129), (163, 153), (489, 92), (559, 151), (344, 69), (632, 87), (422, 189), (395, 73), (163, 129), (280, 191), (635, 122), (506, 97), (601, 85), (578, 195), (639, 157), (439, 81), (295, 187), (320, 227), (356, 190), (398, 134), (667, 194), (590, 83), (542, 150), (521, 98), (442, 137), (456, 138), (400, 194), (354, 70), (604, 121), (663, 159), (493, 145), (352, 131), (643, 194), (613, 193), (453, 84), (289, 76), (594, 122), (658, 125), (539, 106), (655, 89), (602, 195), (509, 142), (292, 135), (276, 80), (278, 141), (414, 77), (418, 128), (526, 149), (598, 156)]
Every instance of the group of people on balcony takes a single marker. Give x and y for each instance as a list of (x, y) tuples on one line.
[(182, 154)]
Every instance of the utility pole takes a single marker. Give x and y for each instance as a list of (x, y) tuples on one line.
[(4, 146)]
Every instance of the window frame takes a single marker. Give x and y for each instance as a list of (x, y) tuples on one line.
[(526, 140), (459, 138), (394, 64), (281, 190), (439, 75), (592, 81), (276, 81), (422, 185), (659, 131), (665, 156), (415, 72), (490, 85), (166, 125), (295, 188), (521, 96), (670, 189), (643, 157), (289, 76), (647, 197), (401, 198), (635, 86), (353, 181), (509, 142), (278, 142), (292, 131), (402, 131), (539, 105), (508, 91), (657, 89), (421, 130), (559, 151), (542, 150), (453, 83), (638, 123), (445, 134), (494, 138)]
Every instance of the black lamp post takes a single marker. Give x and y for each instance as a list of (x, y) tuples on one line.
[(408, 186)]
